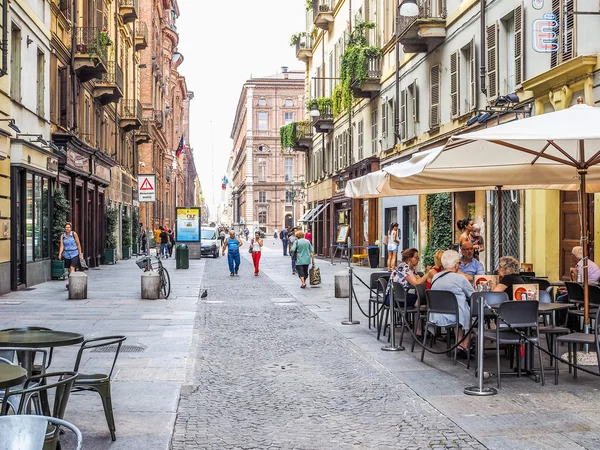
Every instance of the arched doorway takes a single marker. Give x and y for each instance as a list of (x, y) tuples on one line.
[(289, 221)]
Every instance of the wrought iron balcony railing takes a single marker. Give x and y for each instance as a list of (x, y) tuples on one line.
[(93, 42), (428, 9)]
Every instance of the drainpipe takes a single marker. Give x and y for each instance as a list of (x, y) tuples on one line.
[(482, 47), (4, 71), (397, 102), (125, 78), (73, 74)]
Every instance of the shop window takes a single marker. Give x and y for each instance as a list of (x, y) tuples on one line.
[(37, 224)]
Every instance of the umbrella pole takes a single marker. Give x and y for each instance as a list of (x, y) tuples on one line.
[(584, 203), (500, 220)]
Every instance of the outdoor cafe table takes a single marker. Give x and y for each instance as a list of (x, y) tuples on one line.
[(11, 375)]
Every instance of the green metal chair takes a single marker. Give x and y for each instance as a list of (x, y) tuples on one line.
[(24, 431), (99, 383)]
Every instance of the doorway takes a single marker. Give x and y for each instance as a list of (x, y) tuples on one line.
[(570, 230), (409, 226), (390, 216)]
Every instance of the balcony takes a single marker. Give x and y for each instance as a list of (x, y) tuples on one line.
[(304, 136), (128, 10), (159, 118), (141, 35), (371, 85), (426, 31), (131, 115), (304, 47), (143, 135), (322, 13), (324, 122), (90, 53), (109, 89)]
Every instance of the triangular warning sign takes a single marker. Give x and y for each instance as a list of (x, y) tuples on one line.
[(146, 186)]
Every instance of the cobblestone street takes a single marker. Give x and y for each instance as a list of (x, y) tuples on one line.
[(270, 374)]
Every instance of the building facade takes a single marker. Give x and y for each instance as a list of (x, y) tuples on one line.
[(267, 181)]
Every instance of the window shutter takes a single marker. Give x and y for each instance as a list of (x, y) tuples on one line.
[(492, 60), (384, 119), (556, 10), (473, 70), (568, 48), (519, 44), (403, 114), (63, 97), (434, 96), (367, 15), (454, 80), (415, 99)]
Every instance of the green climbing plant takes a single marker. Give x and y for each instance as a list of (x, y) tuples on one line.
[(126, 231), (135, 225), (294, 38), (61, 209), (309, 5), (324, 104), (438, 210), (287, 135), (112, 219)]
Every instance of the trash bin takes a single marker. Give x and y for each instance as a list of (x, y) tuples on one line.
[(373, 251), (182, 257)]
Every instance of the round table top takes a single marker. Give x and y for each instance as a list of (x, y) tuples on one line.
[(39, 338), (11, 375)]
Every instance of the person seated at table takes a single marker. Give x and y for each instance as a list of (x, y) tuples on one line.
[(469, 266), (508, 273), (406, 275), (436, 268), (451, 280), (593, 272)]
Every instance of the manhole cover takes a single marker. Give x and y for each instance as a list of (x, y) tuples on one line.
[(124, 349)]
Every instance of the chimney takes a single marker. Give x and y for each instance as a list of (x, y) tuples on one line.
[(284, 71)]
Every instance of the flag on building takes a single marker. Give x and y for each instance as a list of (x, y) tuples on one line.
[(181, 146), (224, 182)]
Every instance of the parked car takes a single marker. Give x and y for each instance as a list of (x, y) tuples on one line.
[(209, 242)]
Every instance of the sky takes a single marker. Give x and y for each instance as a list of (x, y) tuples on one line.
[(224, 44)]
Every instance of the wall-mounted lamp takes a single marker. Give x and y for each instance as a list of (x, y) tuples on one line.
[(12, 125), (314, 110), (38, 137), (409, 8)]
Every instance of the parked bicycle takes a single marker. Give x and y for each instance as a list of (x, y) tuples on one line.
[(145, 263)]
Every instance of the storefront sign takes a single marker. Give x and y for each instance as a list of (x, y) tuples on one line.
[(544, 34), (78, 161), (52, 165), (102, 172), (147, 188), (188, 225)]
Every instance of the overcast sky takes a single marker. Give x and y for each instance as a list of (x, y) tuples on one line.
[(224, 44)]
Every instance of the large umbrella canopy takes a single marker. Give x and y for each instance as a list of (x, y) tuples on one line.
[(559, 150)]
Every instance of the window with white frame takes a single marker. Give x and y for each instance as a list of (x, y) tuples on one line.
[(262, 169), (289, 196), (463, 83), (384, 115), (374, 132), (409, 111), (288, 102), (262, 197), (288, 169), (288, 117), (262, 216), (360, 139), (262, 121), (262, 102)]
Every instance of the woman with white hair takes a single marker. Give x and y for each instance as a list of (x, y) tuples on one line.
[(450, 280), (593, 270)]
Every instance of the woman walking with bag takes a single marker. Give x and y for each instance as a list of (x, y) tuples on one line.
[(305, 254), (70, 248), (255, 249)]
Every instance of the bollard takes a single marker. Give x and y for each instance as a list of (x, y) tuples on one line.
[(182, 257), (78, 286), (392, 321), (350, 290), (341, 285), (150, 285), (479, 389)]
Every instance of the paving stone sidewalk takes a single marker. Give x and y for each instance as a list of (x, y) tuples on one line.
[(270, 374)]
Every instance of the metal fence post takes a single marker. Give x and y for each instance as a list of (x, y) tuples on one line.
[(350, 293)]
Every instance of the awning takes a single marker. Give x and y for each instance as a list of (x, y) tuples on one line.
[(319, 210), (308, 214)]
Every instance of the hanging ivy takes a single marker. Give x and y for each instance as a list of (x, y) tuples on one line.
[(324, 105), (438, 209), (336, 98), (294, 38), (287, 135)]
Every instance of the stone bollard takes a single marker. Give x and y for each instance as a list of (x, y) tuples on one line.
[(78, 286), (150, 285), (341, 283)]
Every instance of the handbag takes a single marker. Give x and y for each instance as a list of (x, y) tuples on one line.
[(250, 249), (314, 275), (82, 264)]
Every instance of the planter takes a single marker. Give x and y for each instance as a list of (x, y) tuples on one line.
[(58, 269), (126, 252), (135, 250), (373, 252), (110, 255)]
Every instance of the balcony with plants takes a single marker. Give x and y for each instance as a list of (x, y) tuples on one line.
[(322, 13), (321, 113), (303, 43), (128, 10), (426, 29), (296, 136), (91, 52), (130, 115), (109, 88), (141, 35)]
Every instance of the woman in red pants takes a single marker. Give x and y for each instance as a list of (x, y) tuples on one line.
[(256, 244)]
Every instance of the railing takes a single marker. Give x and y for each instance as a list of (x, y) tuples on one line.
[(92, 41), (304, 42), (326, 113), (428, 9), (304, 130), (114, 74), (321, 6), (141, 30), (131, 109), (159, 118)]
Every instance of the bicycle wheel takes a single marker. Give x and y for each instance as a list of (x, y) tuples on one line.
[(165, 283)]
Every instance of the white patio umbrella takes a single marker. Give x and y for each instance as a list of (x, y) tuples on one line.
[(559, 150)]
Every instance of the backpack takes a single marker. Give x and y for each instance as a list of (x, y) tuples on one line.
[(281, 234)]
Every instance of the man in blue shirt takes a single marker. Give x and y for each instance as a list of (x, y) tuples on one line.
[(469, 266), (284, 239)]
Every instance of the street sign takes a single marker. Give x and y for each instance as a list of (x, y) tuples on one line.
[(147, 188)]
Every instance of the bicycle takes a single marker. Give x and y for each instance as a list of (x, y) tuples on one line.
[(145, 263)]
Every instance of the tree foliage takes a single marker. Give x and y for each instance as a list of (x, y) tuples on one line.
[(438, 208), (112, 220)]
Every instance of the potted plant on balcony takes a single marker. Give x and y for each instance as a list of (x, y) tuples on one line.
[(135, 231), (294, 38), (61, 209), (110, 252), (126, 236)]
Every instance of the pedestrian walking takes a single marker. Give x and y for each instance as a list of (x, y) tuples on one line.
[(305, 254), (246, 233), (157, 239), (233, 244), (283, 235), (291, 239), (308, 235), (276, 234), (70, 248), (144, 239), (256, 244), (171, 242), (164, 243), (222, 236)]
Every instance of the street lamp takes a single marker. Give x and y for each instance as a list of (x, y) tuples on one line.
[(409, 8), (314, 110), (297, 191)]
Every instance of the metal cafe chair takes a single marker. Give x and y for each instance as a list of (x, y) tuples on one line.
[(374, 289), (442, 302), (99, 383), (29, 432), (13, 400)]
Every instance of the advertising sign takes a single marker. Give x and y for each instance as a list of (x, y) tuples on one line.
[(147, 188), (188, 225)]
